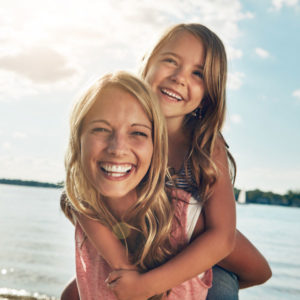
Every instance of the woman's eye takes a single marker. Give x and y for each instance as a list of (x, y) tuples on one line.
[(198, 74), (140, 133), (100, 129)]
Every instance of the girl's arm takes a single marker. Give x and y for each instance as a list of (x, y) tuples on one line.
[(216, 242), (106, 243), (111, 249), (129, 284), (245, 260)]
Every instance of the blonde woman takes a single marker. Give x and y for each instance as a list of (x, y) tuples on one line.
[(116, 167)]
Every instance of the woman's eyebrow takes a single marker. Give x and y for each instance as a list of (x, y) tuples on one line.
[(143, 125), (132, 125), (99, 121)]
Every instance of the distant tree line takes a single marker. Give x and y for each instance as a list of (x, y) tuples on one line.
[(31, 183), (291, 198)]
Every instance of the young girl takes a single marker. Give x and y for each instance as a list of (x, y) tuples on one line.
[(115, 173), (187, 70)]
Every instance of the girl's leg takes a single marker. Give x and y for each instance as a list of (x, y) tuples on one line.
[(225, 285)]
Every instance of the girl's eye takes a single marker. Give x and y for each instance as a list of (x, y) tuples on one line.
[(198, 74), (170, 60)]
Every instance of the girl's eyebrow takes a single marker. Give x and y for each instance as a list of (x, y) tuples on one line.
[(178, 56), (170, 53)]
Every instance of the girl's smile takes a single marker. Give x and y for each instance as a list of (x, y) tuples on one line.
[(116, 143), (176, 75), (174, 96)]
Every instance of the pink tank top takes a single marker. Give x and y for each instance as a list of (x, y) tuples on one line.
[(92, 270)]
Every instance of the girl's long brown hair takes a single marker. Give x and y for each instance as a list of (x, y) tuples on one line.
[(206, 129)]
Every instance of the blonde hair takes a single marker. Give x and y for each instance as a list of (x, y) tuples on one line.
[(151, 215), (205, 129)]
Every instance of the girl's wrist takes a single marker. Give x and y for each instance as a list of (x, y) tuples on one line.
[(151, 283)]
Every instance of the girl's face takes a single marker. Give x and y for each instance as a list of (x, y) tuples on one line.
[(116, 144), (176, 75)]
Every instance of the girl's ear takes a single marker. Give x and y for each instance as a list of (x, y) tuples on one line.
[(197, 113)]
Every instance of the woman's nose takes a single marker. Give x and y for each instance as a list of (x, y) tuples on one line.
[(118, 144)]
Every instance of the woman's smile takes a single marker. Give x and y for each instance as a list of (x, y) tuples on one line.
[(115, 171), (116, 143)]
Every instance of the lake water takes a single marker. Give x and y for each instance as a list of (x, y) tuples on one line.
[(37, 252)]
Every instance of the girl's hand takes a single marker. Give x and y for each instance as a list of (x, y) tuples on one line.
[(128, 285)]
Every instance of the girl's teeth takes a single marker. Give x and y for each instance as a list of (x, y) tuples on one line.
[(168, 93)]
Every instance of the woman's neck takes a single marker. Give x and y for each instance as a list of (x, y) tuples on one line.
[(119, 206)]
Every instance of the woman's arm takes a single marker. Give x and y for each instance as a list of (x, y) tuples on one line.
[(247, 263)]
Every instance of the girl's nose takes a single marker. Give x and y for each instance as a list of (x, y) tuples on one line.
[(179, 76), (117, 145)]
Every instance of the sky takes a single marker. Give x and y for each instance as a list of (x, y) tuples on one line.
[(51, 50)]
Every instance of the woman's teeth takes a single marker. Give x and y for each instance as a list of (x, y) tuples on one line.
[(170, 94), (116, 170)]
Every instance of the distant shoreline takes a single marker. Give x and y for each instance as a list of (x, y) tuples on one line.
[(32, 183), (291, 198)]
